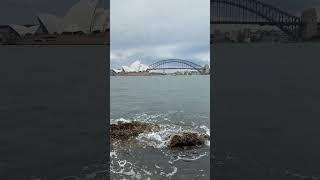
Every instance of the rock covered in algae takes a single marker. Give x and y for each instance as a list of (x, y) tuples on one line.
[(127, 130), (187, 139)]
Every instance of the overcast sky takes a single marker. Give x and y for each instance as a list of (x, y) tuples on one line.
[(146, 30), (26, 11), (16, 11), (153, 30)]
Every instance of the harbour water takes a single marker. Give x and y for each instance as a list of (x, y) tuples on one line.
[(52, 110), (176, 103), (267, 111), (266, 119)]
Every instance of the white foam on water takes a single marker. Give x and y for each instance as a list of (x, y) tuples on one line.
[(183, 157), (129, 173), (115, 121), (206, 129), (146, 172), (204, 117), (113, 154), (121, 167), (175, 170), (153, 139), (159, 140), (122, 163)]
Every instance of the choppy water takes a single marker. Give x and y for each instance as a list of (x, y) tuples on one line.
[(52, 112), (176, 103), (267, 111)]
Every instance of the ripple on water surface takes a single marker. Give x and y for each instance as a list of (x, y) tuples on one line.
[(148, 155)]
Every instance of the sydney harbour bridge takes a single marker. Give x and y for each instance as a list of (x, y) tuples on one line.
[(255, 12), (178, 64), (164, 64), (248, 12)]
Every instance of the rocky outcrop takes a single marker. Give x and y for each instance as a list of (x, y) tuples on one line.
[(187, 139), (126, 131)]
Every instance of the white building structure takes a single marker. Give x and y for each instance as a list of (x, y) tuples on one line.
[(134, 67), (23, 30), (83, 17)]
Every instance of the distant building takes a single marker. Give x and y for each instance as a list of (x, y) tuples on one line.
[(310, 19), (135, 67), (9, 33), (83, 17), (25, 30), (112, 73), (207, 69)]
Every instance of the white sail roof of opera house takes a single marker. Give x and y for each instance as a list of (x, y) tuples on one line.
[(51, 23), (100, 20), (117, 70), (83, 16), (135, 67), (23, 30)]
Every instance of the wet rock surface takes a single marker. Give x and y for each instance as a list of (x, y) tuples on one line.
[(128, 130), (187, 139)]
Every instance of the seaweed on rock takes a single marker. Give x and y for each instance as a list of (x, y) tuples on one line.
[(187, 139), (129, 130)]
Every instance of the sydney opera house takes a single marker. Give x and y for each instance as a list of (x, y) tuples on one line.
[(135, 69), (84, 23)]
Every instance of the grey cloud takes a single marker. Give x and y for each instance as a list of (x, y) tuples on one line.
[(151, 30), (25, 11)]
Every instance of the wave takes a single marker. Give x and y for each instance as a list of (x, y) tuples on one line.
[(161, 138), (121, 167)]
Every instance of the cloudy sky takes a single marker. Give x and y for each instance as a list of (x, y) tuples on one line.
[(145, 30), (26, 11), (153, 30)]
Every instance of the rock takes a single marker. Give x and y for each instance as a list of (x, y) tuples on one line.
[(205, 136), (187, 139), (126, 131)]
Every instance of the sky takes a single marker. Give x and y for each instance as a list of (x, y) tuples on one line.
[(26, 11), (143, 29), (149, 31)]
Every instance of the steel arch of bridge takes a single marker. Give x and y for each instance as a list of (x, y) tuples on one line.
[(181, 64), (273, 16)]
